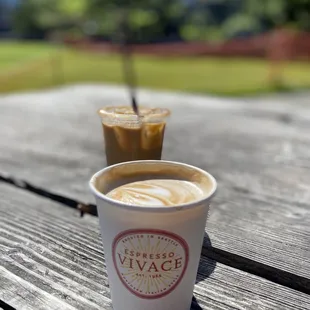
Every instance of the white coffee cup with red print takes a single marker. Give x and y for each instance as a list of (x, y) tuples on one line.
[(152, 253)]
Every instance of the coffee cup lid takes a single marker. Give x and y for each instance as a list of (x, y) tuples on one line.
[(127, 114)]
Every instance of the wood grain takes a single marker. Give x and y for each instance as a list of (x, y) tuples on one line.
[(60, 128), (258, 150), (53, 259)]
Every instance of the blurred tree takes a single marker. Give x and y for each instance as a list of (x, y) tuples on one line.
[(47, 16), (215, 20), (298, 12), (154, 20), (203, 20), (24, 19), (149, 20), (259, 15)]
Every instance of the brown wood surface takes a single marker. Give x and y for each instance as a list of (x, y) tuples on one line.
[(258, 149), (53, 259)]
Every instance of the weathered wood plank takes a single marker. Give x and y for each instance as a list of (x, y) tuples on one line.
[(61, 129), (258, 151), (25, 295), (51, 258)]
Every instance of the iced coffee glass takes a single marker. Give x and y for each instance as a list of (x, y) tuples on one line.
[(130, 137)]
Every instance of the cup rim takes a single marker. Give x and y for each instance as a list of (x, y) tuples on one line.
[(148, 113), (140, 208)]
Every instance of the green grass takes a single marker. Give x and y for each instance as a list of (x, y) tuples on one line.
[(14, 54), (37, 66)]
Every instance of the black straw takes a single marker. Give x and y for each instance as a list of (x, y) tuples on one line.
[(129, 73)]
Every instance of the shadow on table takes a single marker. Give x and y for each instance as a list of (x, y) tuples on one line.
[(195, 304), (205, 269)]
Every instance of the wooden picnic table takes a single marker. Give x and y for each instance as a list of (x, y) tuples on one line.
[(256, 252)]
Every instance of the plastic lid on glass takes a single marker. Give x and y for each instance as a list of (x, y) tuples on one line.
[(127, 114)]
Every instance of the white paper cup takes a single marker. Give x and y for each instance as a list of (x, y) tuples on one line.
[(152, 253)]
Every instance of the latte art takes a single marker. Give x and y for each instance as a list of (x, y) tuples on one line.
[(157, 193)]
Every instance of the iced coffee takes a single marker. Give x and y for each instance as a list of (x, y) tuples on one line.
[(131, 137)]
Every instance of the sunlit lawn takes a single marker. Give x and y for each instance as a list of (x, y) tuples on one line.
[(14, 54), (37, 66)]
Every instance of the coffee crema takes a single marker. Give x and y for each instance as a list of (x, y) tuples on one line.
[(157, 193)]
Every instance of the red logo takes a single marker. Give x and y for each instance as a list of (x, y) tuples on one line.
[(150, 263)]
